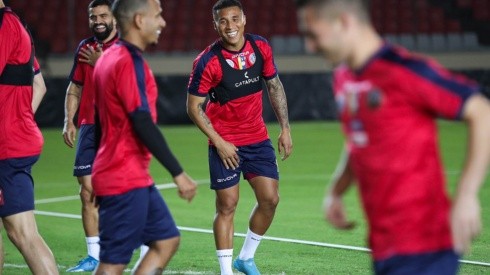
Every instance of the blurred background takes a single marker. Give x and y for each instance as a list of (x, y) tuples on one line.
[(455, 32)]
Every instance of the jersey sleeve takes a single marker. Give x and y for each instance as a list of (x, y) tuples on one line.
[(270, 69), (131, 87), (440, 91), (77, 75), (206, 74)]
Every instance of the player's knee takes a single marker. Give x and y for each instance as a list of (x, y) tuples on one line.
[(226, 207), (166, 246), (226, 211), (269, 203)]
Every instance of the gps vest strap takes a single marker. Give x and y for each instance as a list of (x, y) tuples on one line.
[(237, 83), (18, 74)]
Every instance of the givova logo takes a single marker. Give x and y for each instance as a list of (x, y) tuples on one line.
[(82, 167), (227, 178)]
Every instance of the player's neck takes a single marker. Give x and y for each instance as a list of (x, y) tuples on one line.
[(135, 40), (366, 45), (234, 47)]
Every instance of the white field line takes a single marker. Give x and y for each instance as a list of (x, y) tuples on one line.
[(287, 240), (71, 198)]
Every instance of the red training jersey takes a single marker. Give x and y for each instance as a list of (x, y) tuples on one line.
[(388, 111), (124, 84), (81, 74), (240, 120), (19, 133)]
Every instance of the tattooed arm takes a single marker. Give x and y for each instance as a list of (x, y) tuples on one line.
[(226, 150), (277, 97), (72, 101)]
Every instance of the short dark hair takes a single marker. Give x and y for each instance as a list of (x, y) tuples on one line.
[(302, 3), (360, 6), (96, 3), (222, 4), (124, 11)]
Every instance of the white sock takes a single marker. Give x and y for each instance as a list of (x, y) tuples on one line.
[(250, 245), (93, 247), (143, 250), (225, 257)]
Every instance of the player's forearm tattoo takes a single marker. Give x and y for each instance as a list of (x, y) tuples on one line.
[(277, 97), (204, 117)]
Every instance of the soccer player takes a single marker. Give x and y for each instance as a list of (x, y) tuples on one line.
[(389, 101), (231, 72), (131, 210), (80, 96), (21, 91)]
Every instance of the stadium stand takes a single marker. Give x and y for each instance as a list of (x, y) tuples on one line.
[(425, 25)]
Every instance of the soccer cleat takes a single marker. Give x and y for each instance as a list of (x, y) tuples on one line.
[(246, 266), (87, 264)]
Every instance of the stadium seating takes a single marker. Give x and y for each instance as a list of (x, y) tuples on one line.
[(427, 25)]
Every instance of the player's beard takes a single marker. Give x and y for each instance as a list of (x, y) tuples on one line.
[(101, 36)]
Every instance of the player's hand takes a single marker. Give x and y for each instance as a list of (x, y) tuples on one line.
[(69, 133), (90, 55), (285, 144), (335, 213), (186, 185), (465, 222), (228, 153)]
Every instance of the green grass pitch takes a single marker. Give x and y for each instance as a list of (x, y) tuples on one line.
[(317, 146)]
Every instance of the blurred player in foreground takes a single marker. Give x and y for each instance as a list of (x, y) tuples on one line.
[(131, 209), (389, 101)]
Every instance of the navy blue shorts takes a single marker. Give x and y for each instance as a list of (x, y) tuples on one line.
[(255, 160), (85, 154), (16, 185), (444, 262), (127, 221)]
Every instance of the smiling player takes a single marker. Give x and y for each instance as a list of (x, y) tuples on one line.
[(80, 96), (231, 72)]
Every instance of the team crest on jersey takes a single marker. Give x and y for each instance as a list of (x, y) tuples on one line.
[(374, 98), (230, 62), (242, 63), (252, 58), (359, 94)]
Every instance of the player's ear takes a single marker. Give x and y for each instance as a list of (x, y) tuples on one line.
[(345, 20), (244, 20), (138, 20)]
